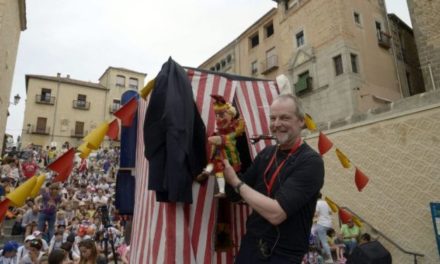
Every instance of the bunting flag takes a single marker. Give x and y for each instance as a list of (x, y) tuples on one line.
[(36, 190), (345, 162), (96, 136), (357, 221), (147, 89), (64, 174), (310, 124), (19, 195), (333, 206), (4, 205), (360, 179), (113, 130), (324, 144), (127, 111), (344, 215), (84, 150), (63, 162)]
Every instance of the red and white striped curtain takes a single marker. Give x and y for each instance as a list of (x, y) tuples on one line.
[(182, 233)]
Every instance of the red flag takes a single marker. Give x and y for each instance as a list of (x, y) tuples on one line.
[(344, 215), (113, 130), (360, 179), (63, 175), (4, 208), (324, 144), (63, 162), (127, 111)]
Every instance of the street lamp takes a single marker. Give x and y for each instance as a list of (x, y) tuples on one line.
[(16, 99)]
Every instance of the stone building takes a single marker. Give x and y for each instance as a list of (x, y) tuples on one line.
[(337, 55), (12, 23), (425, 18), (407, 59), (60, 109)]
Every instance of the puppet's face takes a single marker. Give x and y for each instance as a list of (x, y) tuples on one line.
[(223, 119)]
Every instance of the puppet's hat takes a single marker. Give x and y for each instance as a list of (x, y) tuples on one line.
[(220, 105)]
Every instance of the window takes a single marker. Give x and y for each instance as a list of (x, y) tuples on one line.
[(379, 30), (300, 39), (79, 128), (116, 104), (45, 94), (81, 101), (41, 125), (212, 68), (254, 68), (337, 61), (357, 18), (133, 83), (290, 3), (303, 82), (269, 30), (120, 80), (254, 41), (408, 81), (354, 63), (271, 59)]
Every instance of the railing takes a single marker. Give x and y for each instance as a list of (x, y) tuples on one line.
[(79, 104), (415, 254), (384, 39), (77, 134), (113, 108), (271, 63), (45, 99), (39, 130)]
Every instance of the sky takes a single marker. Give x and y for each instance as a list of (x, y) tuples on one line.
[(84, 37)]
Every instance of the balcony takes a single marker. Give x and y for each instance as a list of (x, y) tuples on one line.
[(270, 64), (383, 39), (80, 104), (39, 130), (45, 99), (78, 133), (113, 108)]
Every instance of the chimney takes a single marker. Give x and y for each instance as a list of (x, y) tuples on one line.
[(58, 74), (68, 76)]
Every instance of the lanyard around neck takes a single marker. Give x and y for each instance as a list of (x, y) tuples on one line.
[(279, 167)]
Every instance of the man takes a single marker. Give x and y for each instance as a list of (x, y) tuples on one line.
[(282, 187), (351, 234), (8, 255), (29, 168), (30, 220)]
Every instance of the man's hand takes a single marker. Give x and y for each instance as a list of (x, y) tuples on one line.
[(230, 175)]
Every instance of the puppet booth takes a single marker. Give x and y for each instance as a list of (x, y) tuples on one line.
[(181, 224)]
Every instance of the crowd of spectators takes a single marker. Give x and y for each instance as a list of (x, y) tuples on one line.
[(70, 222)]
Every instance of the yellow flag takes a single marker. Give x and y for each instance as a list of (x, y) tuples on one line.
[(147, 89), (85, 151), (310, 124), (36, 190), (96, 136), (357, 221), (19, 195), (345, 162), (333, 206)]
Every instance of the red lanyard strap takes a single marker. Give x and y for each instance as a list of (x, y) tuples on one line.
[(278, 169)]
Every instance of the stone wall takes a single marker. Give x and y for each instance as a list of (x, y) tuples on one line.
[(399, 151)]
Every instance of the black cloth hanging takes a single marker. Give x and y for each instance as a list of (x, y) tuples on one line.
[(174, 136)]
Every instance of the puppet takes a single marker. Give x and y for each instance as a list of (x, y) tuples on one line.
[(223, 142)]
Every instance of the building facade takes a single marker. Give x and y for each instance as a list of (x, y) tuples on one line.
[(408, 64), (60, 109), (12, 23), (337, 55), (425, 18)]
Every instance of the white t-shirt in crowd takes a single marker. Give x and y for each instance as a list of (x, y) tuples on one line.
[(323, 213)]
